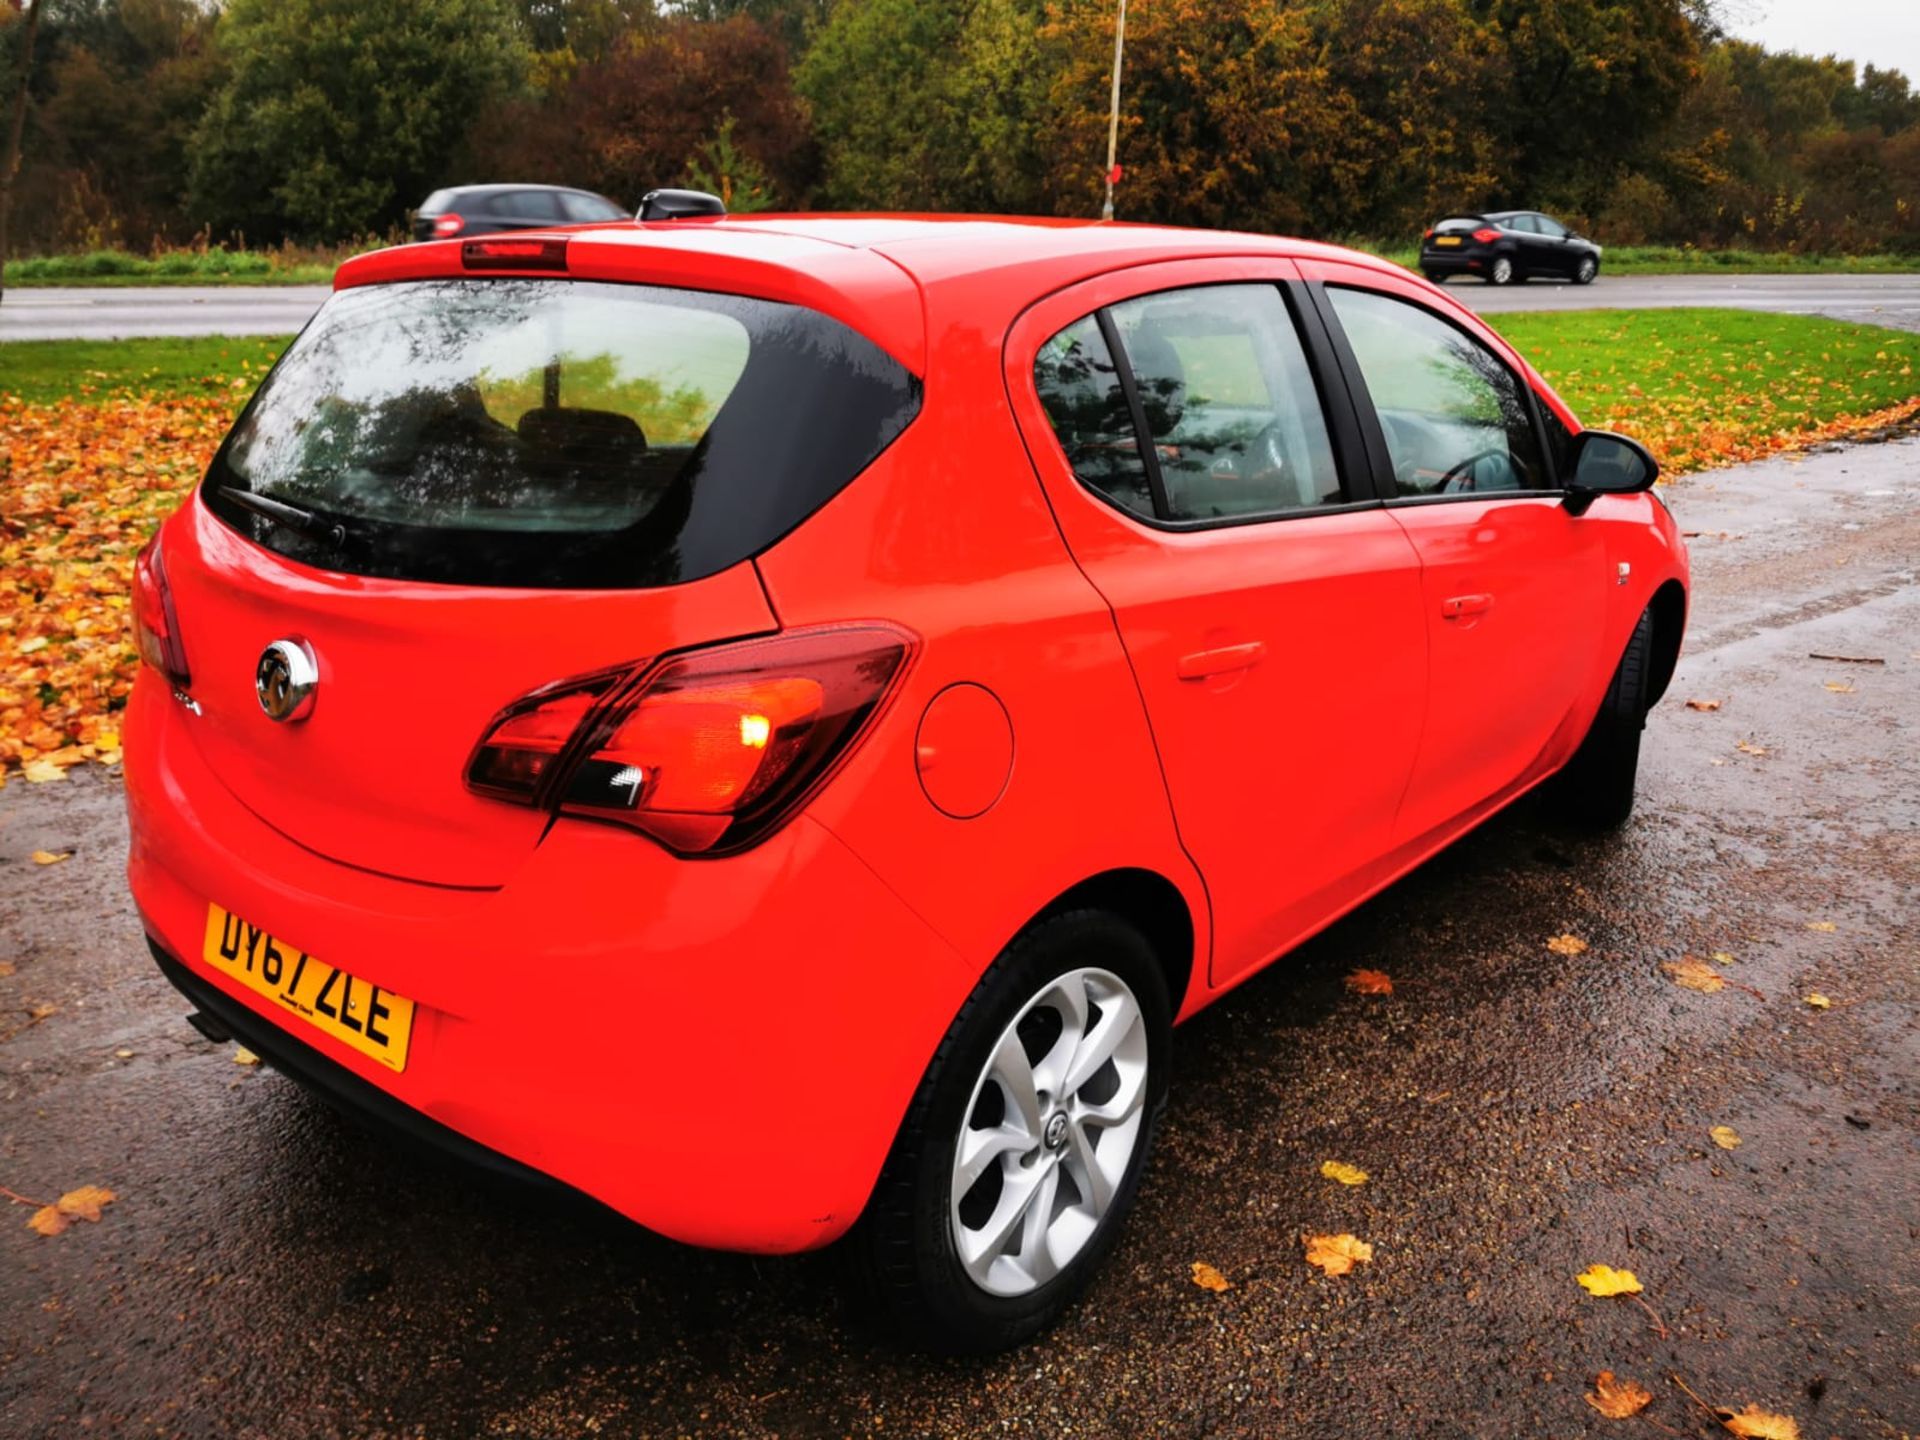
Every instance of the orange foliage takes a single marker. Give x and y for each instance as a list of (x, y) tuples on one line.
[(82, 486)]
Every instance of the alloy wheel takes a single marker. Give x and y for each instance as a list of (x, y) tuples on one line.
[(1586, 272), (1050, 1130), (1502, 270)]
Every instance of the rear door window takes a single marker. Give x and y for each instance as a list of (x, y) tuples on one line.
[(538, 205), (580, 207), (1219, 380), (553, 433)]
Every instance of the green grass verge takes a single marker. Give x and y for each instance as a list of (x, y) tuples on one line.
[(43, 371), (1678, 260), (175, 267)]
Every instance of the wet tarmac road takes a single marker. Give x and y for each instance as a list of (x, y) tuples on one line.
[(62, 313), (269, 1270)]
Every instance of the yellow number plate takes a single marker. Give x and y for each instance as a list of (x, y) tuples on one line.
[(373, 1021), (1446, 239)]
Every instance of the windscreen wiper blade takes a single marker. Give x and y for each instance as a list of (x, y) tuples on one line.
[(288, 517)]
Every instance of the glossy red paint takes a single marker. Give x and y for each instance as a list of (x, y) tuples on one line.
[(1266, 722)]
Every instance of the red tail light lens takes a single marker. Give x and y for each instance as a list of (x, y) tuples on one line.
[(514, 254), (449, 224), (708, 751), (1429, 233), (156, 629), (1486, 235)]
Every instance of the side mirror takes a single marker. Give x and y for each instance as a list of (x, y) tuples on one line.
[(1604, 463)]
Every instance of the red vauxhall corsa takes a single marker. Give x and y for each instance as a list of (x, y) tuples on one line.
[(771, 722)]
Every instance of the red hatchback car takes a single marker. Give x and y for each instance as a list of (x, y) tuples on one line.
[(771, 722)]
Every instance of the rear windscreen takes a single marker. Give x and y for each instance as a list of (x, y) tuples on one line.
[(553, 433)]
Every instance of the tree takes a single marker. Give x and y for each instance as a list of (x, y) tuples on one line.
[(638, 117), (337, 115), (16, 123), (722, 168)]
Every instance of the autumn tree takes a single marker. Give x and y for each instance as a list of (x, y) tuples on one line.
[(638, 117), (16, 121), (337, 115)]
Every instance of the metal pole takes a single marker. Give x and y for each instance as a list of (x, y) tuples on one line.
[(1113, 117)]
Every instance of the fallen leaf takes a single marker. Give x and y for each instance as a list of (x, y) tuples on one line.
[(51, 857), (1825, 927), (1567, 945), (85, 1203), (123, 1054), (1721, 957), (1369, 982), (1840, 687), (1336, 1254), (1753, 1423), (244, 1056), (1345, 1174), (1697, 705), (1604, 1280), (1747, 747), (1694, 974), (39, 772), (1726, 1137), (1617, 1399), (1817, 1001), (1208, 1278), (6, 968)]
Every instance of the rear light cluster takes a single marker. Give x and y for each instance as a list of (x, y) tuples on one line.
[(1486, 235), (522, 254), (156, 629), (706, 751), (448, 224)]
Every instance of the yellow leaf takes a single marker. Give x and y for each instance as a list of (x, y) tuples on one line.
[(84, 1203), (244, 1056), (40, 772), (1747, 747), (1840, 687), (1617, 1399), (49, 857), (1567, 945), (1721, 957), (1817, 1001), (1726, 1137), (1369, 982), (1694, 974), (1753, 1423), (1604, 1280), (1345, 1174), (1208, 1278), (1336, 1254), (1825, 927), (1698, 705), (48, 1220)]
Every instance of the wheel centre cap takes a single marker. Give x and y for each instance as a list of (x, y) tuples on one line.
[(1055, 1133)]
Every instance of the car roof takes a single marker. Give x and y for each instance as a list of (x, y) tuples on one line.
[(876, 273), (499, 187)]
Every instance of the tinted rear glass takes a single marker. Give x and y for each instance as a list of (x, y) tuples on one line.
[(1458, 224), (553, 433)]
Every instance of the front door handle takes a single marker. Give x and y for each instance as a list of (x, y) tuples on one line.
[(1463, 605), (1220, 661)]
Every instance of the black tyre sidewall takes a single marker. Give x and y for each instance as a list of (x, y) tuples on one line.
[(1598, 783), (915, 1270)]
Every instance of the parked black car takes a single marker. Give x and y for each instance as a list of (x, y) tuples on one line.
[(489, 209), (1501, 246)]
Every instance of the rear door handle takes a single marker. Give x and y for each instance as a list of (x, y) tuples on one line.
[(1220, 661), (1460, 605)]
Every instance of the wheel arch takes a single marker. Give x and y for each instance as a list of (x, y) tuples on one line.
[(1149, 901), (1669, 608)]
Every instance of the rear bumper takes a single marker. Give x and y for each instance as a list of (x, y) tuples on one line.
[(1453, 262), (720, 1050)]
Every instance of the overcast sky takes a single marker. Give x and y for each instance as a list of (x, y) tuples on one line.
[(1885, 33)]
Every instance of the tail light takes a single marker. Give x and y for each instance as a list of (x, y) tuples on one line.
[(1486, 235), (1429, 234), (448, 224), (156, 629), (514, 254), (706, 751)]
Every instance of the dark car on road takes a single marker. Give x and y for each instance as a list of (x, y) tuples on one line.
[(489, 209), (1501, 246)]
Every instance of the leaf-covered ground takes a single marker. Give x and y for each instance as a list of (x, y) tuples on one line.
[(100, 440)]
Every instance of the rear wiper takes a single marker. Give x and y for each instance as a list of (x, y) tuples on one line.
[(289, 517)]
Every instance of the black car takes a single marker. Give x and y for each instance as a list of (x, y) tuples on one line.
[(1501, 246), (489, 209)]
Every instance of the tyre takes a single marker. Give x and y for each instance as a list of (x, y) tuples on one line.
[(1584, 272), (1502, 272), (1437, 277), (1596, 788), (1023, 1148)]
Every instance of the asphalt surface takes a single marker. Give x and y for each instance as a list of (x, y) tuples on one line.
[(270, 1270), (102, 314)]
